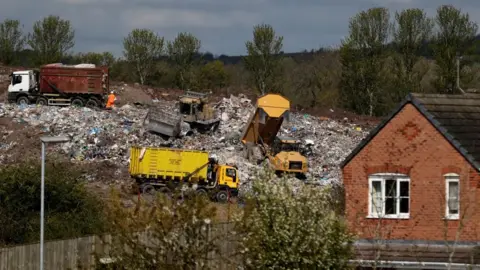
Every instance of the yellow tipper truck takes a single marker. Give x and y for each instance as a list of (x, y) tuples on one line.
[(262, 129), (165, 169)]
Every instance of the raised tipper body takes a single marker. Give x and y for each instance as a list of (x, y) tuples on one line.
[(262, 129)]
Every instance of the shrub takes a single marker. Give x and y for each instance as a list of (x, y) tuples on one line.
[(163, 233), (70, 210), (288, 225)]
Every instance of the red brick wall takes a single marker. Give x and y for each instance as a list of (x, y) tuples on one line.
[(409, 144)]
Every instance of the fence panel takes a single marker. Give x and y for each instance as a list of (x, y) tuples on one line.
[(80, 253), (62, 254)]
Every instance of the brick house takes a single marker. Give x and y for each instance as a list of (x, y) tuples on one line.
[(412, 186)]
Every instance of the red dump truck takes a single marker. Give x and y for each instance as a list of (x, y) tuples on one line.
[(58, 84)]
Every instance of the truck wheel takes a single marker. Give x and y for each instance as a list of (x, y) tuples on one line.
[(148, 189), (23, 101), (202, 192), (92, 103), (222, 196), (78, 102), (42, 101), (165, 191)]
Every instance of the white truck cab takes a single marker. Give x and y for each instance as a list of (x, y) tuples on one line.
[(21, 82)]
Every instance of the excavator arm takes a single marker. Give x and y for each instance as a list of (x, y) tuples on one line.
[(197, 170)]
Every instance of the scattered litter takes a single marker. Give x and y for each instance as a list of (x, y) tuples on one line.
[(99, 135)]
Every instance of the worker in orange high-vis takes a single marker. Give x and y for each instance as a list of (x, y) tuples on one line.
[(111, 100)]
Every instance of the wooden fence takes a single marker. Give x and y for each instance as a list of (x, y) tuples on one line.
[(62, 254), (83, 253)]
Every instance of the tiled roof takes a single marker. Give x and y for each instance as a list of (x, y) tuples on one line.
[(457, 117)]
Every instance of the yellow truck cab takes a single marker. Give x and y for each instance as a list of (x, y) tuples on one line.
[(227, 176)]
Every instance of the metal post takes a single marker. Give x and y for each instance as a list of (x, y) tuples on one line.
[(458, 75), (42, 204), (45, 140)]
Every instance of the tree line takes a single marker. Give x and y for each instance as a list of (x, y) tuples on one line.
[(382, 58)]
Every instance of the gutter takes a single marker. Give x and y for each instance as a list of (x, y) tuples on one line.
[(414, 265)]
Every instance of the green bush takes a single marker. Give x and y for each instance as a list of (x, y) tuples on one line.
[(287, 225), (70, 210)]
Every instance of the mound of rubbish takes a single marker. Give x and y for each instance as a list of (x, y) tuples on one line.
[(98, 135)]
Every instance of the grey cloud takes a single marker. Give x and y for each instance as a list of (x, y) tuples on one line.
[(222, 25)]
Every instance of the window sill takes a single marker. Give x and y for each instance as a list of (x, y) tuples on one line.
[(456, 217), (389, 217)]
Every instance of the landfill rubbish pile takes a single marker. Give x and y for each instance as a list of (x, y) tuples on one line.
[(99, 135)]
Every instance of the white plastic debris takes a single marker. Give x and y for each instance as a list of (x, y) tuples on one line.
[(107, 135)]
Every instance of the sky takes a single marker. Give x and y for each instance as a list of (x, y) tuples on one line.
[(223, 26)]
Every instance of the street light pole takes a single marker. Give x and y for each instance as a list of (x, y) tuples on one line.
[(45, 140), (458, 74), (42, 204)]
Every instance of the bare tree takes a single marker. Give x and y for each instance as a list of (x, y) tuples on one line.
[(164, 233), (378, 228), (457, 202)]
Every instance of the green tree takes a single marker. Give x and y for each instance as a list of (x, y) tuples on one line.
[(70, 210), (286, 227), (51, 39), (182, 51), (315, 82), (163, 233), (363, 55), (412, 29), (12, 40), (213, 76), (455, 37), (99, 59), (142, 48), (263, 59)]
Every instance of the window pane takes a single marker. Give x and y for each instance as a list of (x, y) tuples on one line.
[(390, 206), (376, 197), (390, 188), (404, 206), (404, 192), (453, 201)]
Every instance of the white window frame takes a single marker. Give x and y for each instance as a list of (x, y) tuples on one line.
[(451, 178), (388, 176)]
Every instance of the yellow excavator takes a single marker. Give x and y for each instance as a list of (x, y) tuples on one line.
[(261, 133)]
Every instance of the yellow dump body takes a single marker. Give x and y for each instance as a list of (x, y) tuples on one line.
[(267, 119), (262, 129), (167, 163)]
